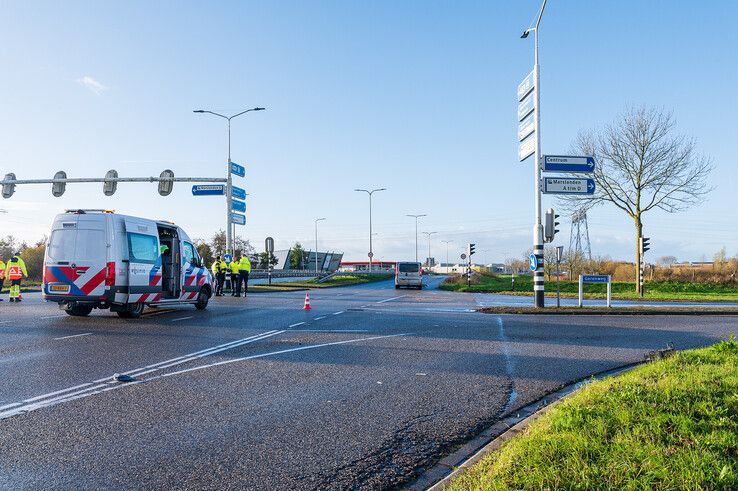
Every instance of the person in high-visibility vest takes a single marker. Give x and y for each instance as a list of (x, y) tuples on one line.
[(219, 269), (2, 274), (16, 269), (244, 268), (234, 275)]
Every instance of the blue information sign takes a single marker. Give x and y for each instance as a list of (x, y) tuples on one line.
[(533, 262), (227, 258), (238, 170), (238, 193), (568, 163), (595, 278), (208, 190), (238, 205), (238, 219)]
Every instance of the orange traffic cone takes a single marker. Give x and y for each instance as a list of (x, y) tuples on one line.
[(307, 302)]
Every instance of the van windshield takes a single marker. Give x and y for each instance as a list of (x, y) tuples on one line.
[(409, 267), (76, 245)]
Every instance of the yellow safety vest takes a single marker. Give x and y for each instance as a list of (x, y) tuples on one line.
[(244, 264), (2, 270), (234, 267)]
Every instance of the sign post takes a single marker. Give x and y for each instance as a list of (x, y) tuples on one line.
[(595, 278), (269, 247), (559, 254)]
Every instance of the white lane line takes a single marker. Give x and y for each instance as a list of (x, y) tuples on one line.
[(319, 318), (6, 322), (51, 316), (330, 330), (274, 353), (183, 318), (390, 299), (338, 313), (73, 336), (295, 325), (8, 406), (107, 383)]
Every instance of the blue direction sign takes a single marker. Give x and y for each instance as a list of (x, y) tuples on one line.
[(237, 205), (568, 163), (595, 278), (238, 219), (228, 258), (568, 185), (533, 262), (238, 193), (238, 170), (208, 190)]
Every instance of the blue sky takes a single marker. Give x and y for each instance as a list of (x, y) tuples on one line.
[(414, 96)]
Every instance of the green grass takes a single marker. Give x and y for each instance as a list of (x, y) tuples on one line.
[(620, 289), (670, 424), (338, 280)]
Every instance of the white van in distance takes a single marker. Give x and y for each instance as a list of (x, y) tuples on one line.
[(100, 259), (409, 274)]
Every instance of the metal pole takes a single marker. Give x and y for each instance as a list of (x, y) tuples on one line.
[(539, 279), (558, 279), (416, 239), (371, 254), (229, 183)]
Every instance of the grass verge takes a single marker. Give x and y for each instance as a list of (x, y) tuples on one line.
[(339, 280), (670, 424), (621, 290)]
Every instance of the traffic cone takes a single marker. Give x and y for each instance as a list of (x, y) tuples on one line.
[(307, 302)]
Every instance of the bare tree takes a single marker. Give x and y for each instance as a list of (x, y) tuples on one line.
[(643, 165)]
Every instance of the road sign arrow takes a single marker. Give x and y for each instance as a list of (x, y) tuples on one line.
[(590, 185)]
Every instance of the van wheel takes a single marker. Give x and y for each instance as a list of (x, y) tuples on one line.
[(132, 311), (202, 300), (79, 310)]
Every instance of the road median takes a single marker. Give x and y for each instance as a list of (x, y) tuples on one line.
[(596, 310)]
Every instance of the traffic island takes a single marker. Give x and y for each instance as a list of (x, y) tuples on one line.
[(668, 424), (597, 310)]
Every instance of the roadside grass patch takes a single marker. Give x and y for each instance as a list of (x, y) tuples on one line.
[(662, 290), (338, 280), (670, 424)]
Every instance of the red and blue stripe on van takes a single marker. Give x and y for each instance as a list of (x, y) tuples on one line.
[(76, 278)]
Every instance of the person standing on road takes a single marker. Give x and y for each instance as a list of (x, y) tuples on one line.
[(16, 270), (219, 269), (244, 268), (233, 267), (2, 274)]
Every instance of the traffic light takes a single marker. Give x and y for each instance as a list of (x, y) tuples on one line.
[(8, 189), (550, 230), (58, 188), (165, 182), (645, 244), (109, 187), (470, 250)]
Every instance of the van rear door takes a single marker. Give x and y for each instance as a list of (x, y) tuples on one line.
[(76, 259), (144, 261)]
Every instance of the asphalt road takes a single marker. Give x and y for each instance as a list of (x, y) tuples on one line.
[(364, 391)]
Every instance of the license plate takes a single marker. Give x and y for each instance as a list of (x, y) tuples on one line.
[(59, 288)]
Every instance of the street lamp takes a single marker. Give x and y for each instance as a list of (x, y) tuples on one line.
[(447, 242), (538, 281), (416, 232), (316, 243), (371, 253), (229, 222), (429, 241)]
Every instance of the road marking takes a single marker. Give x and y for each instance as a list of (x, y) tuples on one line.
[(8, 406), (318, 318), (183, 318), (390, 299), (6, 322), (274, 353), (421, 374), (73, 336), (298, 324), (107, 383), (51, 316), (330, 330), (338, 313)]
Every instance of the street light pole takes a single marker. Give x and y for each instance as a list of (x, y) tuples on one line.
[(316, 243), (447, 242), (416, 233), (538, 281), (370, 193), (429, 243), (229, 181)]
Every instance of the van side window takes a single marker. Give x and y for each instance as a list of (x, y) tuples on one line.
[(143, 248), (188, 253)]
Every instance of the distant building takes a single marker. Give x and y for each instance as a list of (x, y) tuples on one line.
[(327, 261)]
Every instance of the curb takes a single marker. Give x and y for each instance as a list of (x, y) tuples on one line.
[(439, 476), (612, 311)]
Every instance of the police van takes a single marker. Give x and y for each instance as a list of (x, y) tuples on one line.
[(104, 260)]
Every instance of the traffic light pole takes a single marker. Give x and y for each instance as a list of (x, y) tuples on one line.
[(538, 278)]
